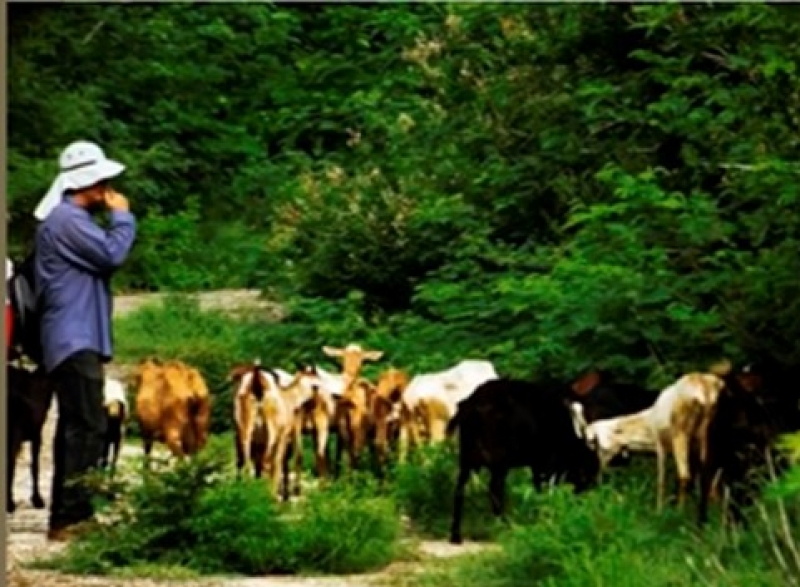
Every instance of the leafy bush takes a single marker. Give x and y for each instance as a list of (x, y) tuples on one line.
[(424, 486), (611, 537), (196, 516)]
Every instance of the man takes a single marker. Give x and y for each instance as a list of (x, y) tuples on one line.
[(74, 262)]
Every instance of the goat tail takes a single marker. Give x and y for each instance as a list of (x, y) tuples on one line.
[(193, 406)]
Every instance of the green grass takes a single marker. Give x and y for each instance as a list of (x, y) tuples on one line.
[(198, 520), (197, 517), (612, 537)]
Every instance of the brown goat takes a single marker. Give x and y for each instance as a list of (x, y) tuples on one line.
[(352, 357), (352, 417), (202, 406), (172, 406), (353, 420), (385, 403)]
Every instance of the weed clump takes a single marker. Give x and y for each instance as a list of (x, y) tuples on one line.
[(197, 516)]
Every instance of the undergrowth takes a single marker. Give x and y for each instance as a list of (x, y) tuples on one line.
[(611, 537), (197, 516), (199, 519)]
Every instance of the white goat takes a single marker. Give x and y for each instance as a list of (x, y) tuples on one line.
[(612, 436), (433, 399), (677, 423)]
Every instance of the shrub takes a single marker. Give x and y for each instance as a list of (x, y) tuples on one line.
[(424, 486), (611, 537), (346, 528), (196, 516)]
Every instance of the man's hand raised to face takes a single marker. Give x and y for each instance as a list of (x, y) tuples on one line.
[(116, 201)]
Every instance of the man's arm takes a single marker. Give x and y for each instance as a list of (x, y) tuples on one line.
[(92, 249)]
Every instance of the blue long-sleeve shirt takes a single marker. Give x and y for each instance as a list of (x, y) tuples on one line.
[(75, 259)]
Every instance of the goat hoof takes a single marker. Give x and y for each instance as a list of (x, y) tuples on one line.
[(456, 539), (37, 502), (11, 507)]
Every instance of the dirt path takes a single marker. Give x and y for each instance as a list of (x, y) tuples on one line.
[(228, 300), (27, 542), (27, 526)]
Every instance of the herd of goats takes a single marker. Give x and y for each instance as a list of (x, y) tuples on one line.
[(718, 425)]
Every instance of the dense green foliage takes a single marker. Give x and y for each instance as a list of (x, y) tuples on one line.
[(550, 186), (546, 187), (198, 518), (602, 538)]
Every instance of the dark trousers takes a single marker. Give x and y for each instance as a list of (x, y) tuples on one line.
[(79, 435)]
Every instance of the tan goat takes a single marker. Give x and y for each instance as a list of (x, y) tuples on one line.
[(430, 400), (680, 418), (352, 418), (386, 404), (316, 417), (172, 406), (250, 416), (269, 419)]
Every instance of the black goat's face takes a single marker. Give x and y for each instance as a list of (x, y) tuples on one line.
[(585, 469)]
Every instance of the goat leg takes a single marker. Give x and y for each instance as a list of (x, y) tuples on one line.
[(147, 446), (36, 449), (115, 447), (298, 457), (321, 433), (458, 505), (497, 491), (279, 465), (320, 452), (174, 440), (337, 464), (660, 457), (103, 461), (707, 477), (240, 462), (285, 472), (11, 464), (680, 448)]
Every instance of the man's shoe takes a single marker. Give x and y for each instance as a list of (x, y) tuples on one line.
[(59, 534)]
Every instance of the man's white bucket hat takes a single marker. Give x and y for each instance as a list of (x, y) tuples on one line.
[(83, 164)]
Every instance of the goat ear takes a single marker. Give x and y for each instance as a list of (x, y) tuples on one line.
[(372, 355), (237, 372), (332, 351), (721, 368), (578, 421), (586, 382)]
